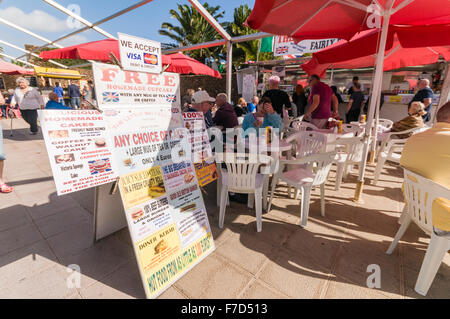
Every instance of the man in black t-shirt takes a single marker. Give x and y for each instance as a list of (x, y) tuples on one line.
[(424, 95), (355, 104), (277, 96)]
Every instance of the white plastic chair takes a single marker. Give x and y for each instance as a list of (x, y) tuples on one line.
[(386, 123), (391, 150), (242, 177), (351, 154), (314, 174), (420, 194), (303, 126), (357, 129)]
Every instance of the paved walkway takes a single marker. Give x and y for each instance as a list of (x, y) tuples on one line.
[(41, 234)]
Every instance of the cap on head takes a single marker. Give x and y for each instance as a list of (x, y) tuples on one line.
[(202, 96)]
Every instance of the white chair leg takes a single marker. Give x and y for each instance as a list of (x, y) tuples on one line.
[(265, 192), (378, 168), (436, 250), (250, 200), (274, 184), (223, 206), (322, 199), (399, 234), (347, 168), (219, 191), (306, 195), (297, 193), (339, 173), (403, 215), (258, 204)]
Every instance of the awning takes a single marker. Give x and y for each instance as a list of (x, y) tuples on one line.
[(57, 73)]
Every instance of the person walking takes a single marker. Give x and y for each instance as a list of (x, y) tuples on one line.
[(320, 99), (29, 100), (75, 95), (4, 188), (354, 105), (278, 97), (3, 105), (424, 95), (60, 92)]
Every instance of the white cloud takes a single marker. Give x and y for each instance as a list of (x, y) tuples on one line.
[(74, 40), (34, 21)]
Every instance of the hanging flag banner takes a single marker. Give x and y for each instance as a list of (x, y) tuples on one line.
[(201, 152), (163, 203), (284, 45), (115, 88), (139, 54), (76, 141)]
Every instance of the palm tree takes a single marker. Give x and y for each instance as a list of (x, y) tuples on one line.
[(194, 29), (244, 51)]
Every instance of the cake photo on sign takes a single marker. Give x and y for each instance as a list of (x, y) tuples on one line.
[(99, 166)]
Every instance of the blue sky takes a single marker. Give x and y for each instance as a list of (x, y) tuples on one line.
[(46, 21)]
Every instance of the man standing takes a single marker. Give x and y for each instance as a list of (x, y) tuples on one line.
[(320, 99), (75, 95), (278, 97), (201, 102), (424, 95), (428, 154), (351, 85), (225, 115), (354, 105), (60, 92)]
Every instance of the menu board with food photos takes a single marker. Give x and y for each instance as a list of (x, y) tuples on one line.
[(202, 157), (163, 202), (79, 154)]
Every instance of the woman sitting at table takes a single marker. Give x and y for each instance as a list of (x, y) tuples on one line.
[(264, 116), (416, 110)]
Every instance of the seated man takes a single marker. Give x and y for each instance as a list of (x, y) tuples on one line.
[(53, 103), (428, 154), (201, 102), (225, 115), (264, 110), (415, 111)]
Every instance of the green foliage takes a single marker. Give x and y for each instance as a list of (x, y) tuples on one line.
[(192, 28)]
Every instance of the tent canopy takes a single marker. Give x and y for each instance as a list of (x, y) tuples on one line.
[(12, 69), (57, 73)]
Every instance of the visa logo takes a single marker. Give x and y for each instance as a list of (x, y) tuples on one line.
[(134, 56)]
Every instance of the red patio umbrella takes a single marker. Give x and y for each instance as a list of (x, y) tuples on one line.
[(96, 50), (402, 50), (12, 69), (181, 63)]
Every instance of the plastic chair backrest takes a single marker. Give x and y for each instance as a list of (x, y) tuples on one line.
[(303, 126), (420, 193), (386, 123), (307, 143), (242, 169), (321, 165), (353, 128)]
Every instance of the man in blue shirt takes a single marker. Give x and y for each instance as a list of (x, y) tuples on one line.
[(75, 96), (59, 90), (424, 95), (265, 110), (53, 103), (252, 106)]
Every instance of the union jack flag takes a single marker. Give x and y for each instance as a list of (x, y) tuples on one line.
[(110, 97), (281, 50), (171, 98)]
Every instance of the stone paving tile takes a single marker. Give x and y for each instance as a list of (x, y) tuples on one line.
[(294, 276), (260, 290), (13, 216), (18, 237), (55, 205), (62, 221), (25, 262), (171, 293), (213, 278), (100, 260), (340, 288), (73, 241), (440, 287), (125, 282)]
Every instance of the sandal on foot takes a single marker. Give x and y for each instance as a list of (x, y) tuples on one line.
[(5, 188)]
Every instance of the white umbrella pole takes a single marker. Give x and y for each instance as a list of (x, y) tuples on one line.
[(375, 129), (374, 98)]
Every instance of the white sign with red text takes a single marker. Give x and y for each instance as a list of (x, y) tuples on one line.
[(115, 88), (139, 54), (77, 146), (284, 45)]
